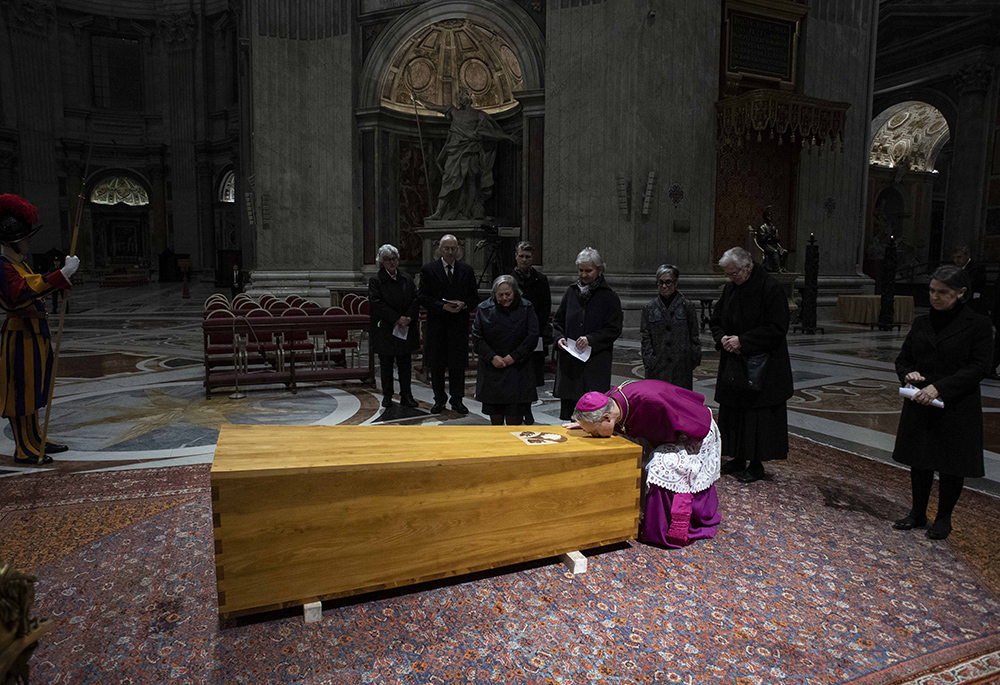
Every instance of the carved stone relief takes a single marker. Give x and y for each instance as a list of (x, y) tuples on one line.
[(438, 59), (911, 137)]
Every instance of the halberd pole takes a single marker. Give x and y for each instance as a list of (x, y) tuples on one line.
[(63, 301)]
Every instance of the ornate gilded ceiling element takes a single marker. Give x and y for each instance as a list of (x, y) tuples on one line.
[(786, 116), (115, 189), (441, 57), (911, 136)]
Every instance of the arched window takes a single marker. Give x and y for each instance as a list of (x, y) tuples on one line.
[(227, 189), (113, 190)]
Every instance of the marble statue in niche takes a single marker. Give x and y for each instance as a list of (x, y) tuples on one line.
[(466, 161), (766, 239)]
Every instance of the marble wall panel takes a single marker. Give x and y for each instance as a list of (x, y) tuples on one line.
[(303, 154), (629, 92)]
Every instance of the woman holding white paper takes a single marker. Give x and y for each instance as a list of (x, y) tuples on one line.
[(589, 318), (946, 355)]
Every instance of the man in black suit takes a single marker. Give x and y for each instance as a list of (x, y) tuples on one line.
[(962, 258), (448, 292)]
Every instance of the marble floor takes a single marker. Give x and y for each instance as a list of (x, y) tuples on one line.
[(130, 393)]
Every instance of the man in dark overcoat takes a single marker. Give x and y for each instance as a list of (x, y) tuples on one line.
[(394, 308), (962, 258), (535, 289), (448, 292)]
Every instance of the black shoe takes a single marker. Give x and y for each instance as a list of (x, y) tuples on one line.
[(437, 408), (459, 407), (733, 466), (753, 473), (529, 418), (387, 402), (33, 461), (940, 529), (910, 521), (408, 401), (55, 448)]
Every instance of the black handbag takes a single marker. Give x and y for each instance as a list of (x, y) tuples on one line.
[(745, 373), (756, 366)]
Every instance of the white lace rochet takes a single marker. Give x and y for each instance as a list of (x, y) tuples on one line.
[(689, 467)]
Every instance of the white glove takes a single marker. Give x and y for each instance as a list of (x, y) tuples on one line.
[(72, 264)]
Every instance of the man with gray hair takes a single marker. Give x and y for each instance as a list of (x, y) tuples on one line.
[(448, 292)]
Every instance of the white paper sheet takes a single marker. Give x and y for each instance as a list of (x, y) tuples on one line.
[(400, 331), (539, 347), (571, 348), (908, 391)]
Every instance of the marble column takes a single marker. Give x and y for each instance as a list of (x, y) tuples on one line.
[(157, 209), (964, 210)]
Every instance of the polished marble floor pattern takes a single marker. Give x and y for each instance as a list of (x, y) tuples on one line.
[(130, 391)]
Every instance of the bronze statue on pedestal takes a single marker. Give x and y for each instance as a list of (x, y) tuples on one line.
[(767, 241)]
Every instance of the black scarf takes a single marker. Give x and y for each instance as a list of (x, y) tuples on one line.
[(940, 320), (587, 291)]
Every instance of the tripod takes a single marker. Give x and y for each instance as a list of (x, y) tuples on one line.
[(493, 259)]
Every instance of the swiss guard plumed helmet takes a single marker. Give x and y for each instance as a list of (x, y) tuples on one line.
[(17, 216)]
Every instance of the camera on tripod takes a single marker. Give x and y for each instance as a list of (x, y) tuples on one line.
[(498, 248)]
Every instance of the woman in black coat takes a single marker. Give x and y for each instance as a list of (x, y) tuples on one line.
[(946, 355), (394, 308), (504, 335), (669, 333), (590, 315), (749, 320)]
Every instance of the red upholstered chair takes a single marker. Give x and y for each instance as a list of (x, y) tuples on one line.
[(276, 306), (264, 299), (347, 302), (362, 306), (311, 307), (216, 305), (337, 341), (297, 341), (264, 342)]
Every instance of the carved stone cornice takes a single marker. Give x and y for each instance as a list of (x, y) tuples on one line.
[(32, 16), (177, 28), (974, 78)]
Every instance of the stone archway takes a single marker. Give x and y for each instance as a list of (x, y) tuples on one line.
[(906, 140)]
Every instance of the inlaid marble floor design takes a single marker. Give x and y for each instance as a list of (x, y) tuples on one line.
[(130, 391)]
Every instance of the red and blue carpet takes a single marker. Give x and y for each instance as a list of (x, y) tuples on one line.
[(806, 582)]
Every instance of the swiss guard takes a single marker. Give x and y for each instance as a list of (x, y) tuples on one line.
[(25, 342)]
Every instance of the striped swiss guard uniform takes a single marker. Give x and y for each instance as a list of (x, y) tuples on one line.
[(25, 349)]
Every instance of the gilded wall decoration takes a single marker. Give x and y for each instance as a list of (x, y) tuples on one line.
[(911, 136), (436, 60), (119, 189)]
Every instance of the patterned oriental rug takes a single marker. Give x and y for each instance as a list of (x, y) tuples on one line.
[(806, 582)]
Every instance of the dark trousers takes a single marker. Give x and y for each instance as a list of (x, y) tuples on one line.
[(538, 359), (456, 383), (404, 364)]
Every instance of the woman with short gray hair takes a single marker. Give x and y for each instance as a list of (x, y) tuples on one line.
[(589, 317), (749, 324), (504, 334), (393, 305), (669, 332)]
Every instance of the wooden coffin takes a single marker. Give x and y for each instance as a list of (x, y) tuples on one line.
[(307, 513)]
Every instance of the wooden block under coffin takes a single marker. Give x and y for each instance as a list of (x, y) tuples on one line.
[(307, 513)]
